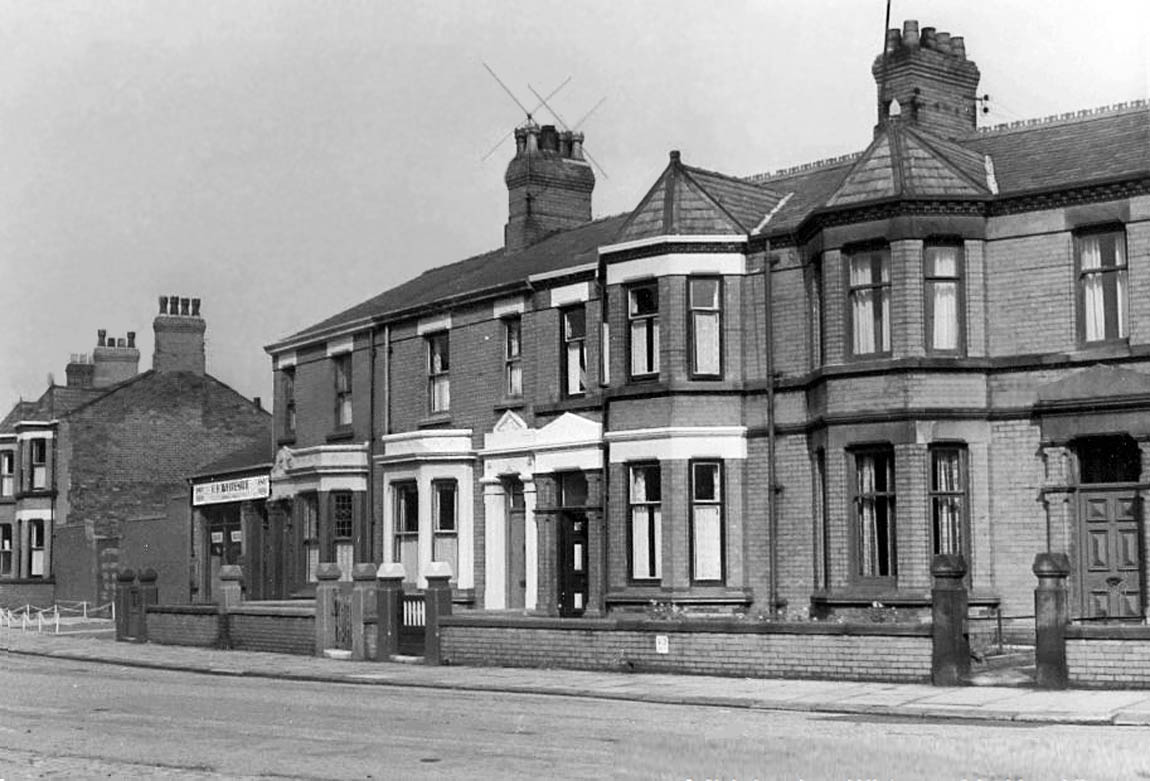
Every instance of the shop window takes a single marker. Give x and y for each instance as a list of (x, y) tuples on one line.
[(513, 356), (6, 538), (574, 351), (646, 522), (707, 555), (342, 366), (948, 502), (942, 266), (874, 519), (406, 504), (869, 302), (643, 337), (1102, 274), (37, 555), (445, 540), (309, 523), (39, 459), (438, 368), (7, 473), (287, 382), (705, 299)]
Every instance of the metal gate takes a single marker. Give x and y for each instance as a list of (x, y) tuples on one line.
[(341, 613), (412, 628)]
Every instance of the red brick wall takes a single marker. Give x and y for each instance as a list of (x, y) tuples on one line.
[(18, 593), (197, 626), (1101, 657), (279, 630)]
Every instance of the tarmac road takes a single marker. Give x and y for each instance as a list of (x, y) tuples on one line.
[(69, 719)]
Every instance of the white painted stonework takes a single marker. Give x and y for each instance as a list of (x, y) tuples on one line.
[(678, 443), (428, 325), (579, 293), (433, 442), (340, 346), (320, 468), (677, 264)]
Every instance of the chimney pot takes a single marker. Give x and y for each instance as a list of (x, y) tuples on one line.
[(163, 305), (101, 336), (532, 138), (173, 305), (893, 40), (675, 155), (576, 146), (195, 307), (121, 342), (942, 42), (548, 139), (928, 38), (257, 401), (910, 35), (184, 304), (131, 338), (958, 47)]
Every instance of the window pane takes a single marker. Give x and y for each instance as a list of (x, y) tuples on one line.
[(646, 542), (1095, 309), (862, 312), (706, 334), (942, 261), (576, 361), (704, 294), (445, 507), (708, 559), (575, 323), (874, 514), (706, 482), (512, 345), (945, 315), (515, 379), (644, 301), (645, 484)]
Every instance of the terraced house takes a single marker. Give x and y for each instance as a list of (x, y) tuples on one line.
[(757, 392)]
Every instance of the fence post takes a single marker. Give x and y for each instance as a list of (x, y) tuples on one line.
[(1051, 615), (325, 593), (950, 660), (390, 608), (149, 595), (363, 608), (125, 583), (438, 604)]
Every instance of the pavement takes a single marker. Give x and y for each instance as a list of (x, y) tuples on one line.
[(872, 699)]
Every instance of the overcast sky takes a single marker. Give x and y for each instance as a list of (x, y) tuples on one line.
[(283, 160)]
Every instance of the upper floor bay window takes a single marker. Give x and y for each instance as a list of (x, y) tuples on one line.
[(7, 473), (438, 378), (405, 499), (445, 509), (948, 499), (646, 522), (874, 500), (705, 300), (574, 350), (707, 559), (37, 554), (942, 269), (39, 460), (643, 314), (869, 295), (341, 365), (513, 356), (287, 383), (1102, 285)]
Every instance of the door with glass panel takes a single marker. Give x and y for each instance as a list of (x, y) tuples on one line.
[(572, 563)]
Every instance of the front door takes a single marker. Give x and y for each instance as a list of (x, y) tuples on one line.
[(572, 563), (516, 546), (1111, 558)]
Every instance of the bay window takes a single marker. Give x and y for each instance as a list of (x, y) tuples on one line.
[(1102, 285), (7, 473), (942, 267), (874, 518), (405, 498), (869, 301), (6, 550), (37, 558), (948, 499), (646, 522), (707, 559), (705, 301), (445, 539), (342, 529), (643, 315), (39, 460)]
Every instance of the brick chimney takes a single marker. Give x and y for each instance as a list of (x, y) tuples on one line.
[(549, 185), (113, 361), (924, 79), (179, 336), (81, 372)]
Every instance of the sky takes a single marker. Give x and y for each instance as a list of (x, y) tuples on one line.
[(283, 160)]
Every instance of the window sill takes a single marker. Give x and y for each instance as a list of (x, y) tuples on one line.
[(341, 434), (434, 420), (570, 404), (1111, 348), (510, 402)]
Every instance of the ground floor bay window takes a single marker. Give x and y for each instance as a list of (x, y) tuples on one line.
[(874, 515), (646, 522)]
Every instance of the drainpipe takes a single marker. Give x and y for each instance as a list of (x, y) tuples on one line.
[(370, 510), (772, 491)]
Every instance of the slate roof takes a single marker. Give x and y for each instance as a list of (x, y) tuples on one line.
[(1071, 150), (57, 401), (258, 455)]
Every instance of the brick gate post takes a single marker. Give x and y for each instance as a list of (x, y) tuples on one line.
[(149, 595), (950, 660), (325, 593), (1051, 615), (389, 605), (363, 609), (125, 584), (438, 604)]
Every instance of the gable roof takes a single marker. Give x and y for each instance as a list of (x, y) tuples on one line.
[(256, 456), (55, 402)]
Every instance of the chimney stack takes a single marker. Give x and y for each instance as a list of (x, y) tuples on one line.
[(929, 77), (80, 371), (549, 185), (113, 361), (179, 333)]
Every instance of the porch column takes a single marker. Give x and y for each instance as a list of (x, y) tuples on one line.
[(530, 542), (547, 601), (596, 531), (1057, 496), (495, 537)]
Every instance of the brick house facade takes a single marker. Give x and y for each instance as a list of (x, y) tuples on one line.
[(91, 468), (750, 392)]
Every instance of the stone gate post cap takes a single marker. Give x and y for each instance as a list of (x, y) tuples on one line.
[(329, 570), (948, 565), (391, 570), (148, 576), (1051, 565), (126, 575), (231, 572), (363, 571), (438, 569)]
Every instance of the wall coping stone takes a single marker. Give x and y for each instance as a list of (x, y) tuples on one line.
[(717, 626), (193, 610), (272, 610), (1107, 632)]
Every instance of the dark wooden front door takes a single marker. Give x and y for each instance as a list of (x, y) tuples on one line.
[(1111, 553), (572, 563), (516, 546)]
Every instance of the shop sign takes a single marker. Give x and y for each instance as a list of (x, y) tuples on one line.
[(231, 490)]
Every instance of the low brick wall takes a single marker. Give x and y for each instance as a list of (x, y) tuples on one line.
[(871, 652), (197, 625), (1108, 657), (284, 630), (36, 592)]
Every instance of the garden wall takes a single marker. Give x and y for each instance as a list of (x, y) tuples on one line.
[(1108, 656), (874, 652)]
